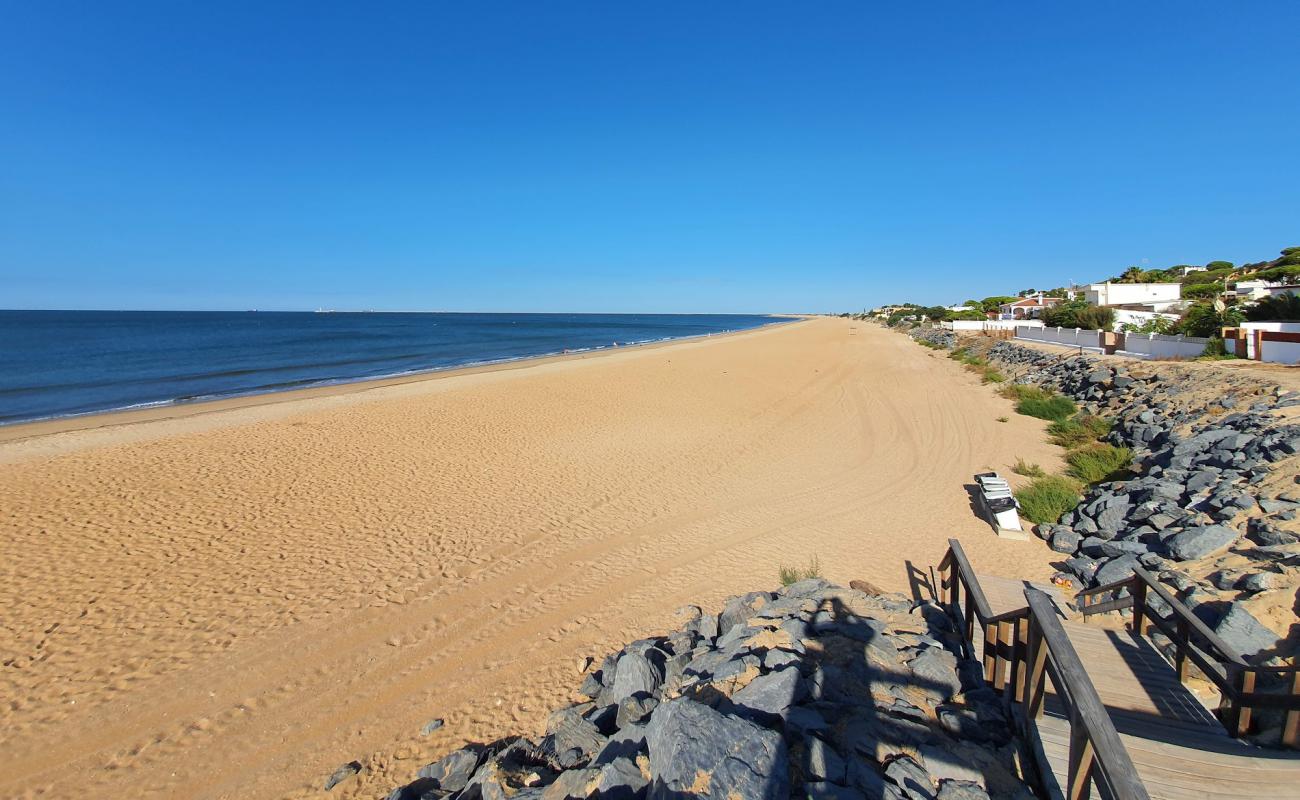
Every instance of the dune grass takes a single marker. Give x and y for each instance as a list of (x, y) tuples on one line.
[(791, 575), (1079, 430), (1046, 499), (1021, 467), (1101, 462), (1045, 405)]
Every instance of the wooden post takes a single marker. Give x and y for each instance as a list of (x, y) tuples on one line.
[(970, 623), (1006, 641), (1139, 606), (1020, 656), (1180, 650), (1291, 723), (1079, 778), (990, 652), (1036, 676), (1240, 712)]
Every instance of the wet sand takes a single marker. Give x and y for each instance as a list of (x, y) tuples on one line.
[(233, 601)]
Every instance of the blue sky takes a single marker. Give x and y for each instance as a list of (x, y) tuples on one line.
[(666, 156)]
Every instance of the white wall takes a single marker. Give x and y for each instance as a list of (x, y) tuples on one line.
[(1073, 337), (1124, 316), (989, 325), (1154, 345), (1276, 352), (1282, 352), (1122, 294)]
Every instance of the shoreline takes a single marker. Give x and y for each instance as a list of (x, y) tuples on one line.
[(177, 410), (348, 567)]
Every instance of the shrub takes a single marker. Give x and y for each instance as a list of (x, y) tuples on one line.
[(1078, 430), (1099, 463), (1046, 499), (1049, 407), (791, 575), (1028, 470), (1278, 308), (1021, 391), (1098, 318), (1201, 289)]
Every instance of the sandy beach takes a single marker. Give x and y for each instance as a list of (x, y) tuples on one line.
[(232, 601)]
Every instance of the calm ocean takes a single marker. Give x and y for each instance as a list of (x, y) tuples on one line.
[(58, 363)]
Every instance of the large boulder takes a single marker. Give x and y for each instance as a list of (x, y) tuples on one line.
[(1197, 543), (696, 751), (1241, 631)]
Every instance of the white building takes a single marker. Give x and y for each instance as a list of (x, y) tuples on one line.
[(1258, 289), (1145, 296), (1031, 307)]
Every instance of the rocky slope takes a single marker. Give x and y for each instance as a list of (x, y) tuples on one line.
[(814, 690), (1212, 507)]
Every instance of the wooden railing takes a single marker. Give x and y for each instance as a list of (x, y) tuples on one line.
[(1096, 752), (1194, 643), (1004, 634), (1022, 648)]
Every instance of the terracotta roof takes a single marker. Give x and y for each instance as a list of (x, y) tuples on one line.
[(1033, 301)]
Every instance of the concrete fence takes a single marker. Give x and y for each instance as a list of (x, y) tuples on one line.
[(1138, 345), (985, 325), (1070, 337), (1159, 345), (1278, 342)]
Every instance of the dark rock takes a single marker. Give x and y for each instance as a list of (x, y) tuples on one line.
[(1064, 540), (911, 777), (691, 745), (830, 791), (634, 673), (936, 670), (821, 762), (961, 790), (1116, 569), (1196, 543), (770, 696), (621, 779), (342, 773), (1258, 582), (1240, 630), (1085, 568), (430, 726)]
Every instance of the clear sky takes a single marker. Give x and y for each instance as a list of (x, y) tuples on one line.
[(620, 156)]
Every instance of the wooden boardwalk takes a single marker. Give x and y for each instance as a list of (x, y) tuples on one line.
[(1179, 748)]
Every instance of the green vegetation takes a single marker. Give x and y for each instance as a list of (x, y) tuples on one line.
[(1204, 320), (1078, 313), (1100, 462), (1079, 430), (1035, 402), (1026, 469), (1153, 325), (992, 303), (791, 575), (977, 364), (1046, 499), (1279, 308)]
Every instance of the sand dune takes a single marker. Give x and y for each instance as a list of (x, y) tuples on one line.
[(233, 603)]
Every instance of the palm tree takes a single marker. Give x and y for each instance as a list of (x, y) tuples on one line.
[(1131, 275)]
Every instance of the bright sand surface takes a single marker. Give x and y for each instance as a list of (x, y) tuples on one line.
[(234, 601)]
